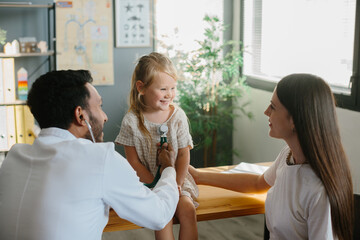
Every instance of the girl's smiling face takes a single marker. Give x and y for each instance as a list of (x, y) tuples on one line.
[(161, 92)]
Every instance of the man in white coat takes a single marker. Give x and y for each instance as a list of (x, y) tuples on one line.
[(63, 185)]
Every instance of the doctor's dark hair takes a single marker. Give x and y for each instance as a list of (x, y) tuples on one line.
[(54, 96), (311, 104)]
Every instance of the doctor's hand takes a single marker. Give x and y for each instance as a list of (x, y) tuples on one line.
[(166, 156)]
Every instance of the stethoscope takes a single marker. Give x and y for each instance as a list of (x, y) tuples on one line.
[(90, 130), (162, 130)]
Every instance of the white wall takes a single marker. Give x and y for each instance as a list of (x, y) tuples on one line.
[(251, 140)]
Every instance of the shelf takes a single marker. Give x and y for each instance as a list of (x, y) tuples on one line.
[(17, 102), (35, 54), (51, 38), (24, 5)]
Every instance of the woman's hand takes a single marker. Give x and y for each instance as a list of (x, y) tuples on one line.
[(194, 173)]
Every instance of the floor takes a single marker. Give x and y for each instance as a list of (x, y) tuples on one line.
[(242, 228)]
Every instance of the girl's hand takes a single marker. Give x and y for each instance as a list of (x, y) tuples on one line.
[(194, 173)]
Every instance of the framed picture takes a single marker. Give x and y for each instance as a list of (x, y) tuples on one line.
[(133, 23)]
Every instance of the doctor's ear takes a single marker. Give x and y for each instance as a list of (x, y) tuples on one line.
[(78, 115)]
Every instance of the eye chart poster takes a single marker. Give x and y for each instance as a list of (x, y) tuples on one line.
[(133, 25)]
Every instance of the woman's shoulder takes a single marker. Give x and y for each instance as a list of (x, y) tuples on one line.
[(283, 154), (309, 178), (310, 186)]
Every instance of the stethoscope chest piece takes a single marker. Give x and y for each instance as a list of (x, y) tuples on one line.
[(163, 129)]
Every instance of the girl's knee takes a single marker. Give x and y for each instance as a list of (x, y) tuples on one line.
[(185, 209)]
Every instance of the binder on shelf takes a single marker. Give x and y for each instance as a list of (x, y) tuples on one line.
[(1, 82), (29, 124), (9, 79), (19, 123), (3, 131), (11, 131)]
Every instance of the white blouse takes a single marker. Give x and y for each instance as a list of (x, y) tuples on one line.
[(297, 206)]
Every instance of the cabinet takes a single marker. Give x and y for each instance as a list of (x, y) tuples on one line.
[(16, 121), (49, 25)]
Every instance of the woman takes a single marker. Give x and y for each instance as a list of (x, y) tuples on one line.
[(310, 193)]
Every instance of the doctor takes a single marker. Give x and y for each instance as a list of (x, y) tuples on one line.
[(63, 185)]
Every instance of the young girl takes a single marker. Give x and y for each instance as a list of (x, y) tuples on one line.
[(153, 87)]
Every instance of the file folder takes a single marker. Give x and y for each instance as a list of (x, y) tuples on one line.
[(9, 79), (29, 123), (19, 122), (11, 131)]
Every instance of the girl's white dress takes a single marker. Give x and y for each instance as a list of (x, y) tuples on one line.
[(178, 135)]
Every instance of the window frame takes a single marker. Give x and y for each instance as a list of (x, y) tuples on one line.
[(352, 101)]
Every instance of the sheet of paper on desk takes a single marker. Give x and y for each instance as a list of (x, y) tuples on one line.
[(247, 168)]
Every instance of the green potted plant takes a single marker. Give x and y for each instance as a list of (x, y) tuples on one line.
[(209, 81), (2, 36)]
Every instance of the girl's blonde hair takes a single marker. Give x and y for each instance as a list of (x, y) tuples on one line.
[(147, 68)]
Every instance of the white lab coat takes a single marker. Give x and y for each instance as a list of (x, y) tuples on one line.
[(62, 187)]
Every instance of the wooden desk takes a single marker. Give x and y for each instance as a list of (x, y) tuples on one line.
[(215, 203)]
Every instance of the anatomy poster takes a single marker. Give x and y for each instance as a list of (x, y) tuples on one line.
[(84, 38), (133, 23)]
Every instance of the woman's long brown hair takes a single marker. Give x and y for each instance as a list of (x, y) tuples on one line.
[(311, 104)]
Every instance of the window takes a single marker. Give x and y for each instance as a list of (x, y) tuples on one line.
[(180, 23), (314, 36)]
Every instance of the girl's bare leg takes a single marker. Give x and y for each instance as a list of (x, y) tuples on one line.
[(166, 233), (186, 214)]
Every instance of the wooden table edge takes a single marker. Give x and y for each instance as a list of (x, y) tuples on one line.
[(118, 224)]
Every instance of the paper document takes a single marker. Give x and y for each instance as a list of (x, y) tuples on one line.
[(248, 168)]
